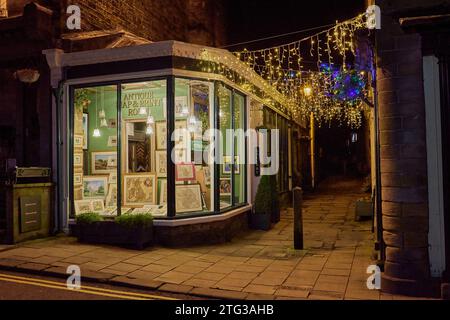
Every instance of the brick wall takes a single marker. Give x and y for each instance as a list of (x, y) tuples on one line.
[(403, 153), (196, 21)]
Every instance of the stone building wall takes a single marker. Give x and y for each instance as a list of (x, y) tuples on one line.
[(403, 150)]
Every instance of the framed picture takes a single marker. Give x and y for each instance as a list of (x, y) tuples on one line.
[(110, 211), (112, 178), (181, 156), (207, 173), (95, 187), (78, 141), (161, 163), (77, 179), (185, 172), (227, 165), (139, 189), (112, 141), (225, 187), (83, 206), (78, 192), (103, 162), (188, 198), (111, 198), (161, 135), (98, 206), (85, 130), (78, 160), (163, 192), (124, 210), (181, 104), (112, 123)]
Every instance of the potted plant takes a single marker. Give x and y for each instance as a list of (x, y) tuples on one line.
[(275, 202), (133, 230), (87, 226), (137, 229), (261, 217)]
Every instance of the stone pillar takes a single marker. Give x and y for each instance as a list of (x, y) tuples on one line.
[(403, 158)]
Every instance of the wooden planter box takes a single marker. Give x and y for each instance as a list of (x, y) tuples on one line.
[(109, 232), (260, 221)]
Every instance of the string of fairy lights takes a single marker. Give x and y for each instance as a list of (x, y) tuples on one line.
[(326, 82), (317, 75)]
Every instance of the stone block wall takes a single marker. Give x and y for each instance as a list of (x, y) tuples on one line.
[(403, 152)]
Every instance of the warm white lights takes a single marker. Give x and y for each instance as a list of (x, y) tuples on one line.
[(96, 133), (149, 130)]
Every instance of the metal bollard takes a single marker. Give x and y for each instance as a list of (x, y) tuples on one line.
[(298, 218)]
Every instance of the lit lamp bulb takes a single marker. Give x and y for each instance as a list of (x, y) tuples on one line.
[(143, 111), (307, 91), (149, 130), (96, 133), (150, 120)]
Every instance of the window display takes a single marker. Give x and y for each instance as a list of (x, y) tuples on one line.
[(121, 165), (94, 159)]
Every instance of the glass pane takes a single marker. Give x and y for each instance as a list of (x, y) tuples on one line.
[(225, 113), (194, 169), (239, 150), (144, 148), (95, 150)]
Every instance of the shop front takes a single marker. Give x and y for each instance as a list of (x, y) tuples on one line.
[(161, 129)]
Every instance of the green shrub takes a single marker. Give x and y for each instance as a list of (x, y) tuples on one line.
[(263, 197), (88, 218), (266, 201), (141, 220)]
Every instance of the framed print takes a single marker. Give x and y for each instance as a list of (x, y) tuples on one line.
[(207, 173), (181, 105), (78, 141), (98, 206), (77, 179), (161, 135), (78, 192), (112, 141), (225, 187), (112, 178), (111, 198), (112, 123), (77, 159), (139, 189), (185, 172), (163, 192), (181, 155), (83, 206), (103, 162), (85, 130), (95, 187), (110, 211), (227, 165), (188, 198), (161, 163), (124, 210)]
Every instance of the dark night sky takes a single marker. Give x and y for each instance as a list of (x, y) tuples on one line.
[(253, 19)]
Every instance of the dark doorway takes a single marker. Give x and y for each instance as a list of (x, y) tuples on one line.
[(342, 151)]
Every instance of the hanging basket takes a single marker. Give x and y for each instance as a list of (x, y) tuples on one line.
[(27, 75)]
